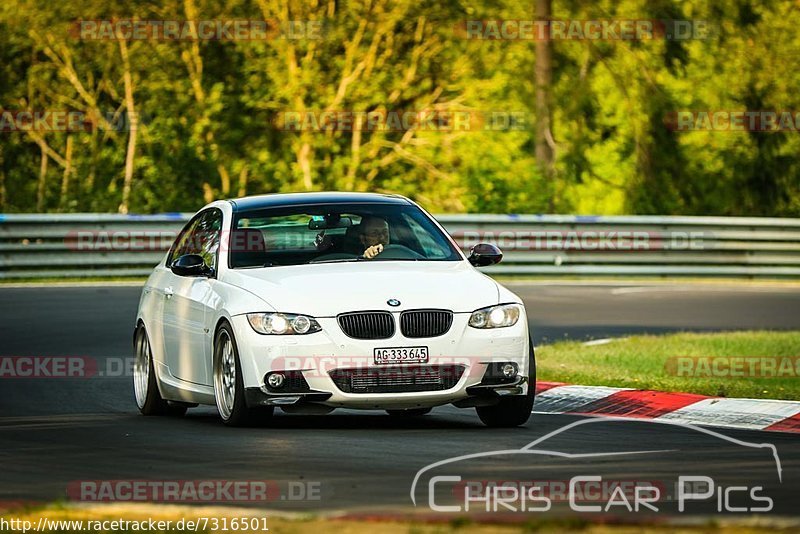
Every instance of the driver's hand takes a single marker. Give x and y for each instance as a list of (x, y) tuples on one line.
[(373, 251)]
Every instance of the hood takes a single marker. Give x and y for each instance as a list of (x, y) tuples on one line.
[(325, 290)]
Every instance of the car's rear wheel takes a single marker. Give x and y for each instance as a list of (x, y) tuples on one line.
[(228, 382), (411, 412), (513, 410), (145, 387)]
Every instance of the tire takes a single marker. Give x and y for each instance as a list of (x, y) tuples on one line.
[(228, 382), (514, 410), (145, 386), (411, 412)]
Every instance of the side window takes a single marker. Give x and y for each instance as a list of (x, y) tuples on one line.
[(207, 236), (182, 241), (201, 236)]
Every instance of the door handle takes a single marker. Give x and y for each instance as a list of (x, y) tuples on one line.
[(168, 292)]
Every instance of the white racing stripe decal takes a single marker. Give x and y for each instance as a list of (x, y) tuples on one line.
[(570, 398), (737, 413)]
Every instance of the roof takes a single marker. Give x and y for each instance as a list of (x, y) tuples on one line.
[(300, 199)]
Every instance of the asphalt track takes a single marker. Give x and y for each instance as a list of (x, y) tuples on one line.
[(56, 431)]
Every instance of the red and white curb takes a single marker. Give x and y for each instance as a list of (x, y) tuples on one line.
[(751, 414)]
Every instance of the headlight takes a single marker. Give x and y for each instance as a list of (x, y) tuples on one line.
[(495, 316), (282, 323)]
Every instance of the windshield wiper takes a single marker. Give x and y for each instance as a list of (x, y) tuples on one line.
[(340, 260), (257, 266)]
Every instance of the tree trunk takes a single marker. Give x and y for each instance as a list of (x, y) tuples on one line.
[(225, 179), (133, 125), (41, 189), (2, 182), (64, 200), (355, 155), (243, 182), (90, 176), (304, 161), (543, 137)]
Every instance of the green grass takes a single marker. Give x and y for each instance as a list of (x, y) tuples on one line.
[(648, 362)]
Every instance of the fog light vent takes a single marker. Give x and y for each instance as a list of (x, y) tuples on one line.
[(500, 373), (286, 382)]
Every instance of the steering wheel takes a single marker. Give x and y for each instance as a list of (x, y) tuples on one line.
[(398, 252)]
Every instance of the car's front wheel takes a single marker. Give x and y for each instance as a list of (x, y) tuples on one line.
[(513, 410), (145, 388), (228, 382)]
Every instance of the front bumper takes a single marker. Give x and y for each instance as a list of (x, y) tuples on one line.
[(316, 355), (260, 396)]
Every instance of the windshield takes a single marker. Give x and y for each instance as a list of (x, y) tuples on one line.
[(327, 233)]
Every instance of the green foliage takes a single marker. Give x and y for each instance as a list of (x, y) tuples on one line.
[(209, 109)]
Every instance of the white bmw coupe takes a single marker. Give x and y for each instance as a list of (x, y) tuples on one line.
[(314, 301)]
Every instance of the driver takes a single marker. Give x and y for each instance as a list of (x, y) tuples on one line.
[(374, 235)]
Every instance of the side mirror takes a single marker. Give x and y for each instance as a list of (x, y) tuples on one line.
[(484, 254), (191, 265)]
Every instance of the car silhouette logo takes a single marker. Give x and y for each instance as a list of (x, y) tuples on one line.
[(393, 302)]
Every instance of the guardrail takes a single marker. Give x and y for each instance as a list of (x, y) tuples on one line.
[(98, 245)]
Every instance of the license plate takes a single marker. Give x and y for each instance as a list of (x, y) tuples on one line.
[(401, 355)]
